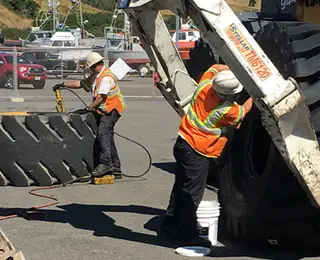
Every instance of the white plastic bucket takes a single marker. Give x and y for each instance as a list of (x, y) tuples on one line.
[(208, 214)]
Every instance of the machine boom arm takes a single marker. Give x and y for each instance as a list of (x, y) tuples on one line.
[(284, 112)]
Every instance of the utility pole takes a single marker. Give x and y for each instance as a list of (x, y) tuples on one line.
[(54, 15), (81, 20)]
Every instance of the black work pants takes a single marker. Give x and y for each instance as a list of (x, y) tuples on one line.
[(105, 150), (190, 181)]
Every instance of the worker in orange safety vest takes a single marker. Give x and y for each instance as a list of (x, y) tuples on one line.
[(201, 140), (108, 104)]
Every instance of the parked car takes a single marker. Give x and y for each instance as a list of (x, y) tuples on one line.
[(52, 63), (28, 73)]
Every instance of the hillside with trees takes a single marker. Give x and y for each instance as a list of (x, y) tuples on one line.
[(18, 16)]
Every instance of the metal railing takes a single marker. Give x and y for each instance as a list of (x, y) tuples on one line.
[(28, 75)]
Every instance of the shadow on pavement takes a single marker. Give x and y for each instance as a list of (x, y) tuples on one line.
[(259, 248), (95, 218), (261, 252), (169, 167)]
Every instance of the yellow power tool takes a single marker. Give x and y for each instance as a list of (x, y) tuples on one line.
[(59, 102)]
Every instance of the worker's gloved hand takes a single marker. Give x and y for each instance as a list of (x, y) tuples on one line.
[(88, 109), (58, 86)]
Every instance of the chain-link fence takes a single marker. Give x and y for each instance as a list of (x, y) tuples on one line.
[(30, 74)]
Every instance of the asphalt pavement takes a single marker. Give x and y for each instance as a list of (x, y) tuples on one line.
[(119, 221)]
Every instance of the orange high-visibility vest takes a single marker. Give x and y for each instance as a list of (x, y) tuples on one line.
[(114, 99), (207, 115)]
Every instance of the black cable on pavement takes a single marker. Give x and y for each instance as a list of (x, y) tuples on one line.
[(123, 137)]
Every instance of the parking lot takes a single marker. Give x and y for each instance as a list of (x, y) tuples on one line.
[(119, 221)]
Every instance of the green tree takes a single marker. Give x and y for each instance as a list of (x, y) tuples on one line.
[(170, 21), (97, 22), (27, 8), (15, 34), (108, 5)]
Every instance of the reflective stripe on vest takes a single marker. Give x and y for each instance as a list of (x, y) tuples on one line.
[(115, 98), (208, 116)]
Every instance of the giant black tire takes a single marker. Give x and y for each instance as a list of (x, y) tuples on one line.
[(43, 149), (201, 58), (259, 196)]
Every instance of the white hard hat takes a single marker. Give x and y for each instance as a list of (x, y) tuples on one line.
[(226, 83), (92, 59)]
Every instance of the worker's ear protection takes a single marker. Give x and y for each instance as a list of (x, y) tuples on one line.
[(87, 73)]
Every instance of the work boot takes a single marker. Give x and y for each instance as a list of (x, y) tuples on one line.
[(101, 170), (117, 175)]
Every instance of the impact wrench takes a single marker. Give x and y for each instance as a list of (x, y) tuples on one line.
[(33, 212)]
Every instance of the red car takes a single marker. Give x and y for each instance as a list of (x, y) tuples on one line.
[(155, 78), (28, 73)]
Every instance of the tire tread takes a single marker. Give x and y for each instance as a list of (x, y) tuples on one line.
[(43, 149)]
